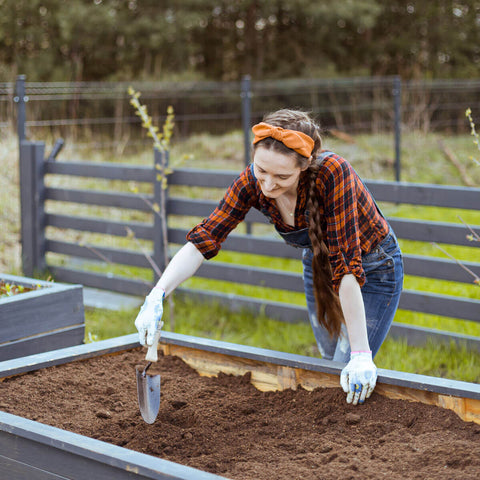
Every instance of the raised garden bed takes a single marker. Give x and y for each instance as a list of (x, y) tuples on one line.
[(47, 317), (223, 427)]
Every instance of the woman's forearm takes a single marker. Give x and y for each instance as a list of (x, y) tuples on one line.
[(353, 309), (182, 266)]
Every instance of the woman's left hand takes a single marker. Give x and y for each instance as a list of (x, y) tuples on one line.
[(359, 377)]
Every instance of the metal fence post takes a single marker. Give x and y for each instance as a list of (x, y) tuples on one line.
[(246, 95), (397, 104), (20, 99), (161, 160), (32, 201), (246, 116)]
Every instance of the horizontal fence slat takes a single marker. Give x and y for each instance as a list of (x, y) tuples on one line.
[(421, 194), (423, 231), (430, 267), (418, 336), (142, 231), (442, 305), (261, 277), (203, 208), (202, 178), (108, 171), (103, 199), (101, 281), (271, 247), (283, 312), (124, 257)]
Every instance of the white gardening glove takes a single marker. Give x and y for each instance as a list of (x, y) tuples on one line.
[(359, 377), (149, 320)]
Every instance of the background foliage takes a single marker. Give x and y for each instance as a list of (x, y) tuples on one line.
[(64, 40)]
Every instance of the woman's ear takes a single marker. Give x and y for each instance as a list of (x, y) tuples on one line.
[(307, 165)]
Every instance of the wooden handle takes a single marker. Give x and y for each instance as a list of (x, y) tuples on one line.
[(152, 354)]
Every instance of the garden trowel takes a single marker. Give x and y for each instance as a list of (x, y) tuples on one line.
[(148, 387)]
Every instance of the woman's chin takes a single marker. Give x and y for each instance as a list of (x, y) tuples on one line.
[(273, 194)]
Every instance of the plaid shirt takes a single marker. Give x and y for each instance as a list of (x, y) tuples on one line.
[(351, 222)]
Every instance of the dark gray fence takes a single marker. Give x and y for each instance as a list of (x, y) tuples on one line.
[(36, 245)]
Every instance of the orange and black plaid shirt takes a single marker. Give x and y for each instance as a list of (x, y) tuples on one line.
[(351, 222)]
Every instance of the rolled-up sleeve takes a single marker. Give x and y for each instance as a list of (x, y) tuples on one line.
[(209, 234), (341, 216)]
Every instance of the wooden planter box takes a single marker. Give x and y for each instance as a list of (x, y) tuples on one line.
[(48, 318), (30, 448)]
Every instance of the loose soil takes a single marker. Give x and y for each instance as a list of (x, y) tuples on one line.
[(225, 426)]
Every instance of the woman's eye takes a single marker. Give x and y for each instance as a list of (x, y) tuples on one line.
[(283, 177)]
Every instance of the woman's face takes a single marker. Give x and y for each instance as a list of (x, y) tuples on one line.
[(276, 173)]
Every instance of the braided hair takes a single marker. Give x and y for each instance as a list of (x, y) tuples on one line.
[(329, 310)]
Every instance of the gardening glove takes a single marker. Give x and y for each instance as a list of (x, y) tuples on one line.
[(149, 320), (359, 377)]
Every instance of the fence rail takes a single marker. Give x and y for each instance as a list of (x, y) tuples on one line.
[(38, 246)]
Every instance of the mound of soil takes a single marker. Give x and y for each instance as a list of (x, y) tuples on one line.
[(225, 426)]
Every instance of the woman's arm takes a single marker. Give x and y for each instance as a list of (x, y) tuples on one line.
[(353, 309), (182, 266), (359, 376)]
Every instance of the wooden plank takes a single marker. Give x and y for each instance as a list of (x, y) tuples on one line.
[(31, 204), (142, 231), (443, 305), (249, 275), (418, 336), (109, 171), (424, 194), (19, 470), (281, 311), (439, 232), (41, 311), (102, 281), (440, 268), (104, 199), (202, 178), (268, 246), (44, 342), (61, 454), (114, 255), (203, 208)]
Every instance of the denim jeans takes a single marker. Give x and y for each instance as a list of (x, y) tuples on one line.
[(383, 268)]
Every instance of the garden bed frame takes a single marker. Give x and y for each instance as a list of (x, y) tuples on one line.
[(48, 318), (32, 450)]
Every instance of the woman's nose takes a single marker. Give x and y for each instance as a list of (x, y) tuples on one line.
[(269, 183)]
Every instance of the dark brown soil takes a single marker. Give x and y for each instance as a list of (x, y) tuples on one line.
[(225, 426)]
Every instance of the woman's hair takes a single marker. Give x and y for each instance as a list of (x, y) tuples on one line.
[(329, 310)]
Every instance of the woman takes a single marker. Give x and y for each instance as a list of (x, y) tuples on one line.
[(352, 265)]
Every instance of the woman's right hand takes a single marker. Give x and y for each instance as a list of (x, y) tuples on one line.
[(149, 320)]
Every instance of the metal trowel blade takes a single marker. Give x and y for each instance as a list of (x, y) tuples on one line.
[(148, 391)]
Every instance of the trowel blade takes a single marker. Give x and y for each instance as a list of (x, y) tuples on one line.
[(148, 391)]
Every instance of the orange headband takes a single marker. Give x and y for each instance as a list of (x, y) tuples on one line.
[(297, 141)]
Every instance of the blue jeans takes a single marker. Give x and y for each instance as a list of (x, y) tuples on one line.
[(383, 268)]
